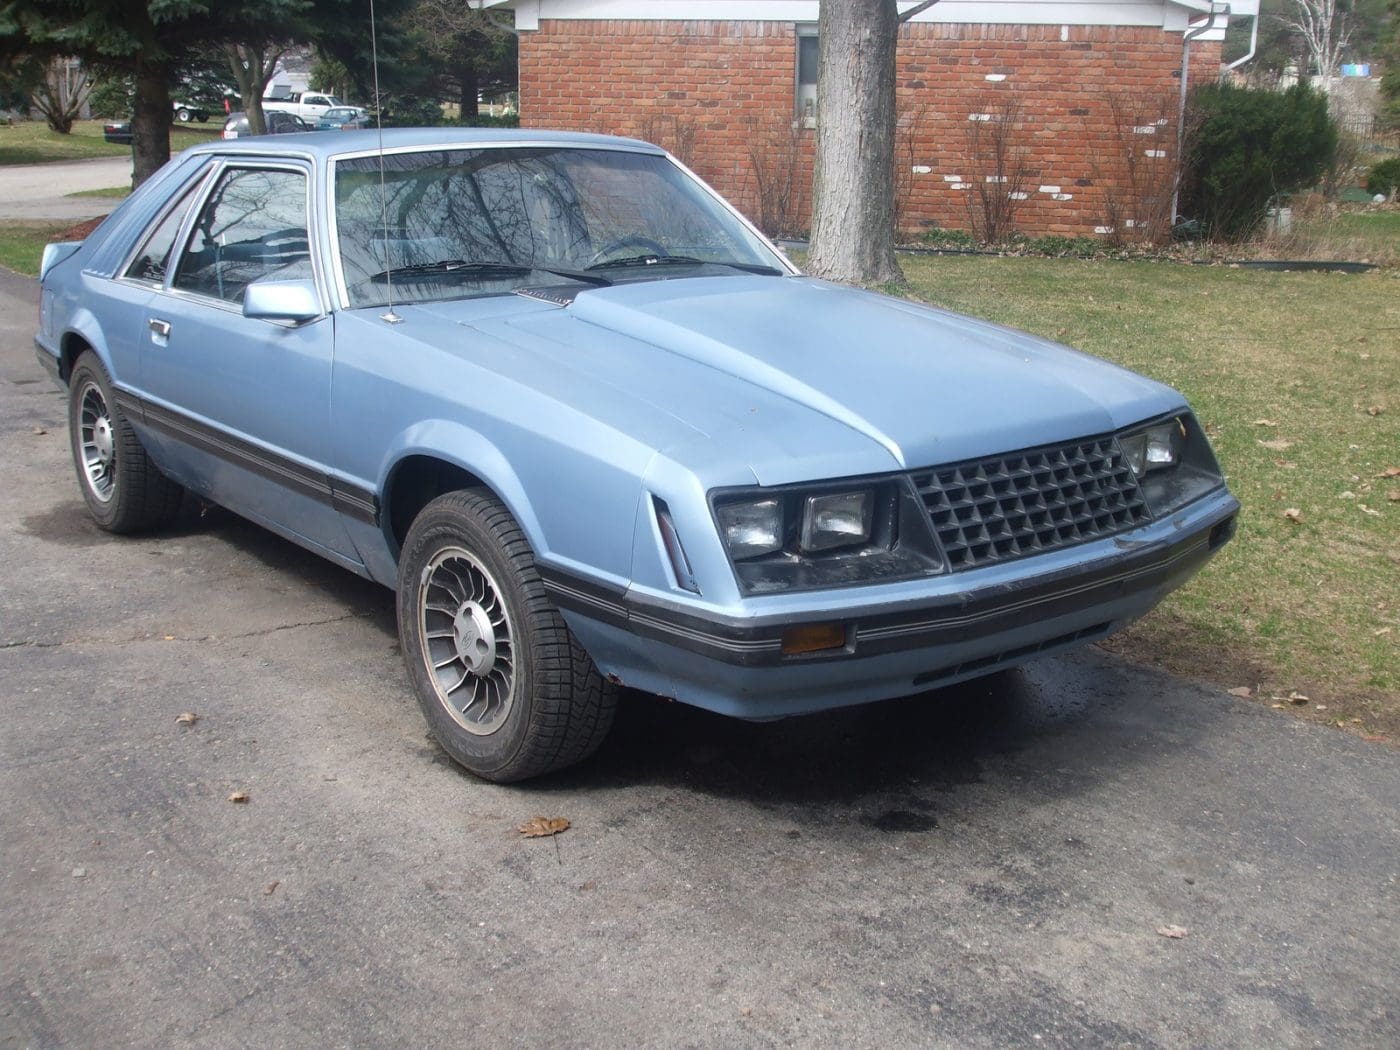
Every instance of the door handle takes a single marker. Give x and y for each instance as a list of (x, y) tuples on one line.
[(159, 327)]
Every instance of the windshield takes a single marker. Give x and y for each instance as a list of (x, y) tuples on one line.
[(472, 222)]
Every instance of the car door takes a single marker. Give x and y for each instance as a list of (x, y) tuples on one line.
[(245, 402)]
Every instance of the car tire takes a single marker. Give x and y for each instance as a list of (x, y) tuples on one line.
[(182, 115), (124, 491), (504, 686), (203, 118)]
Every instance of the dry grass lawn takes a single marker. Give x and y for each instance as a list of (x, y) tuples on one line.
[(1297, 379)]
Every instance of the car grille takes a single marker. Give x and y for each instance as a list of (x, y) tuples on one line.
[(994, 510)]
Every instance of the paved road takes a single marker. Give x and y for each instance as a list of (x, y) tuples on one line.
[(38, 191), (982, 866)]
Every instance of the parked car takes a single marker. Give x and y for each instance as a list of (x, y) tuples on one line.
[(118, 132), (343, 118), (596, 430), (236, 126)]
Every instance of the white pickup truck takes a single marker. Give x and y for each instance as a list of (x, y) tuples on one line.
[(308, 105)]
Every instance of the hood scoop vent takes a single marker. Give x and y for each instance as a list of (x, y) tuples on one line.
[(557, 294)]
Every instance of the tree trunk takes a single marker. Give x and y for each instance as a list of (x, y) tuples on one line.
[(252, 68), (150, 121), (853, 185), (466, 74)]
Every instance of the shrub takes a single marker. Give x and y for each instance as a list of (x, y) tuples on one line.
[(1252, 147), (1065, 247), (951, 239), (1384, 177), (486, 120)]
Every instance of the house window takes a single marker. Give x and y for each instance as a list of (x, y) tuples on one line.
[(807, 76)]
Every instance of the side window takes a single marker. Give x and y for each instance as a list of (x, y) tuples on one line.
[(153, 260), (807, 75), (253, 226)]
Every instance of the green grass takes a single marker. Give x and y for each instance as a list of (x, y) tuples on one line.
[(1312, 606), (117, 192), (33, 143), (22, 243)]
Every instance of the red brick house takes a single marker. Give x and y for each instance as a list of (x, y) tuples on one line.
[(1046, 116)]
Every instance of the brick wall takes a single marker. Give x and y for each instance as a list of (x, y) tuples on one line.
[(721, 96)]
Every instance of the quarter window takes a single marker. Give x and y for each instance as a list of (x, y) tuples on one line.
[(252, 227), (153, 260), (807, 55)]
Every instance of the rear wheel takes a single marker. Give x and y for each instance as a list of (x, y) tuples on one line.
[(123, 489), (183, 116), (502, 683)]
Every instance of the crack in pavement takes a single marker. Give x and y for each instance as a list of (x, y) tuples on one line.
[(35, 643)]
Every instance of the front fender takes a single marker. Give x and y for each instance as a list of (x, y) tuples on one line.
[(473, 452)]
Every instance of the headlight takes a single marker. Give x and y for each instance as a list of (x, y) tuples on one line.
[(751, 528), (838, 520), (803, 537), (1172, 461), (1155, 448)]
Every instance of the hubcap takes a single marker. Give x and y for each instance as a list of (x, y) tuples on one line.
[(467, 640), (97, 441)]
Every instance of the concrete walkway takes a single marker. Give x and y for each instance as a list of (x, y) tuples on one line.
[(40, 191)]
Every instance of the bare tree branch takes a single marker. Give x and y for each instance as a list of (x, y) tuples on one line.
[(916, 9), (1326, 30)]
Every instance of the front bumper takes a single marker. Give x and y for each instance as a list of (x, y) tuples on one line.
[(909, 637)]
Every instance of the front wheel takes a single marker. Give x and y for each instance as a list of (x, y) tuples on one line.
[(504, 686)]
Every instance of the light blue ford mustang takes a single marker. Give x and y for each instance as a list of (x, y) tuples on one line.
[(595, 429)]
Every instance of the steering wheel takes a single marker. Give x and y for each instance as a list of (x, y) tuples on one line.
[(632, 240)]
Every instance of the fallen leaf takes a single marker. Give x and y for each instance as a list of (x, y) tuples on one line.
[(1375, 410), (1242, 690), (1277, 707), (271, 887), (80, 873), (38, 431), (1298, 698), (1375, 738), (1389, 472), (1174, 933), (1368, 510), (1276, 445), (589, 886), (1294, 515), (541, 827), (1380, 633), (1319, 707), (1393, 495), (238, 796), (188, 718), (169, 637), (746, 1011), (1266, 422), (1348, 494)]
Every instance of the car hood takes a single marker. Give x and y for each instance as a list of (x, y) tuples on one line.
[(781, 370)]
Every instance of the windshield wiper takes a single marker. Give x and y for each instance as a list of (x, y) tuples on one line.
[(652, 259), (444, 267)]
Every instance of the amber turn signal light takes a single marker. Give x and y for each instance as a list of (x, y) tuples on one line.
[(813, 638)]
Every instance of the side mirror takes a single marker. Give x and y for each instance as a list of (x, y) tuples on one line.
[(294, 301)]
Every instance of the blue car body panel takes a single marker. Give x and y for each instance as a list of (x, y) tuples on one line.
[(586, 415)]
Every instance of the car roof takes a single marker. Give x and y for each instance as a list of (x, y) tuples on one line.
[(323, 147)]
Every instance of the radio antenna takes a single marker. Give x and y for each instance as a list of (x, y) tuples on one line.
[(388, 315)]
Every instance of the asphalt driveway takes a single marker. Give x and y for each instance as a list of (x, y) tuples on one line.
[(982, 866)]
